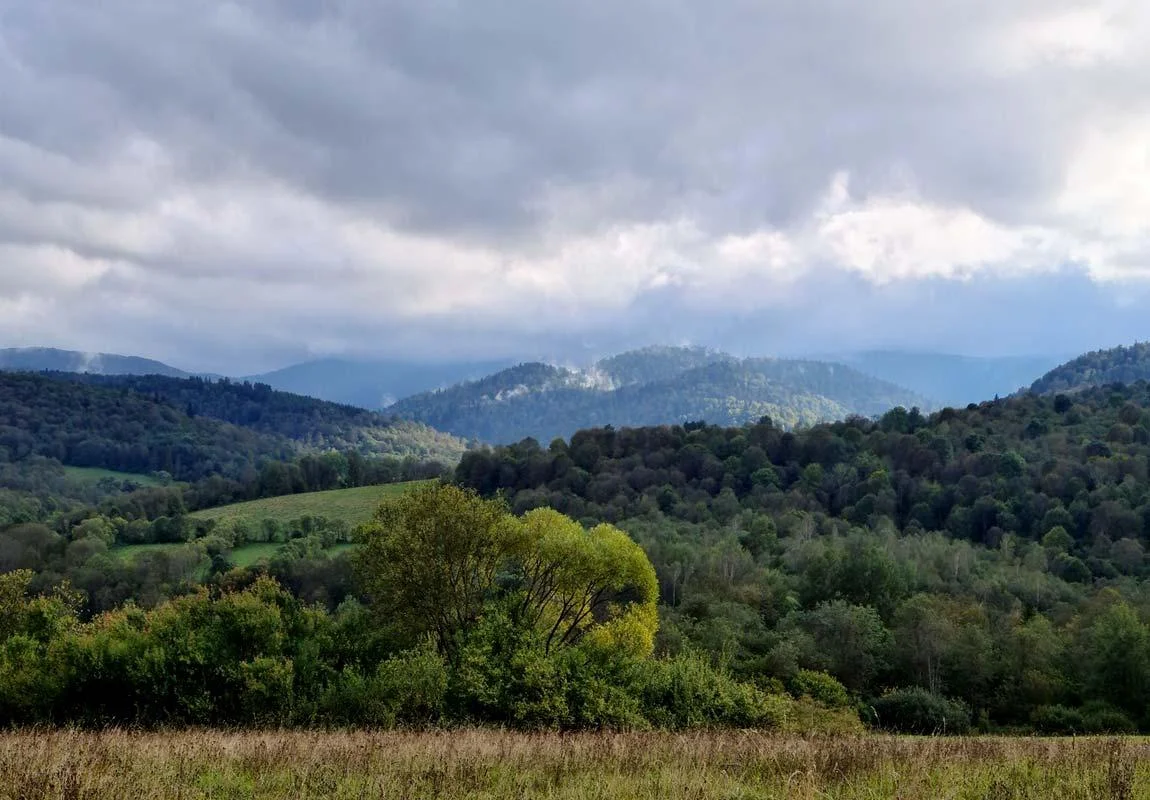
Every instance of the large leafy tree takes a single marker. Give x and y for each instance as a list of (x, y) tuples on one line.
[(436, 559)]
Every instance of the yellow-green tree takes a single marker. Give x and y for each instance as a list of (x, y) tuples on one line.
[(433, 559)]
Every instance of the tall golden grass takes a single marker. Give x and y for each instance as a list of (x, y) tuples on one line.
[(123, 765)]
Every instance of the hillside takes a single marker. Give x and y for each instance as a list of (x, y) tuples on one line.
[(650, 387), (313, 424), (40, 359), (995, 554), (370, 384), (1098, 368), (951, 380), (352, 506), (84, 425)]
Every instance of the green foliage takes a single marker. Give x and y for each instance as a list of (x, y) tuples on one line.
[(917, 710), (409, 688), (1099, 368), (1094, 718), (821, 687), (316, 424), (435, 557), (687, 691)]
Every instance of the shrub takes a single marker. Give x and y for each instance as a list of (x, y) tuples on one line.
[(821, 687), (409, 688), (919, 711), (1058, 720), (1100, 717), (688, 691)]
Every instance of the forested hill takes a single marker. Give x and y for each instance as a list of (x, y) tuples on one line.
[(1020, 466), (995, 554), (651, 387), (114, 428), (41, 359), (313, 424), (1098, 368)]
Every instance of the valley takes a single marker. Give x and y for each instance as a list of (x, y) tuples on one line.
[(895, 567)]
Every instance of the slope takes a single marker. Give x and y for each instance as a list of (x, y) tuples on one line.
[(39, 359), (311, 423), (654, 386), (85, 425), (370, 384), (1098, 368), (352, 506)]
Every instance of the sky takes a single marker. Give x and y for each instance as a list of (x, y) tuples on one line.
[(235, 186)]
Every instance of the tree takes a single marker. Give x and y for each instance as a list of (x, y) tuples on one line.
[(852, 639), (574, 581), (430, 559), (437, 559)]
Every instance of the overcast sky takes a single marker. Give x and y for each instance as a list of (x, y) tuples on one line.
[(233, 186)]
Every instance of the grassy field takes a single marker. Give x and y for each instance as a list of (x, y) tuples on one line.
[(494, 764), (130, 552), (251, 554), (95, 474), (247, 555), (352, 505)]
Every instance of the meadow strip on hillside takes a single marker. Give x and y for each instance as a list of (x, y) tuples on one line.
[(350, 505)]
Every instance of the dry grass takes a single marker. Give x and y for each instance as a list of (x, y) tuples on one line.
[(494, 764)]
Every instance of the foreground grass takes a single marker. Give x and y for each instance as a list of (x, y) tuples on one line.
[(493, 764), (350, 505)]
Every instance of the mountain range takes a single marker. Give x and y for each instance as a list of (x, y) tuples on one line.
[(649, 387), (496, 402), (371, 384), (49, 359)]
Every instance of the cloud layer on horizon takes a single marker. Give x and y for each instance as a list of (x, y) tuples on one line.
[(223, 184)]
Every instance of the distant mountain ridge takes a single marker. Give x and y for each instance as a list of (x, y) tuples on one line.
[(660, 385), (1123, 364), (50, 359), (951, 380), (371, 384)]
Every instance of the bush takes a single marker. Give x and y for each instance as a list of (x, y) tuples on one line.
[(821, 687), (919, 711), (1094, 717), (1058, 720), (688, 691), (409, 688), (1101, 717)]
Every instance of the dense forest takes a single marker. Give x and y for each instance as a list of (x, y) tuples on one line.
[(994, 556), (531, 621), (314, 424), (233, 441), (1098, 368), (975, 568), (650, 387), (117, 428)]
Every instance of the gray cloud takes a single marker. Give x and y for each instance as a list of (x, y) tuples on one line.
[(244, 182)]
